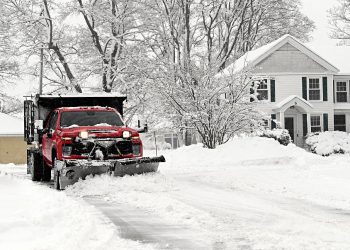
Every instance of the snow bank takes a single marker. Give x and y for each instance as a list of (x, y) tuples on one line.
[(36, 217), (329, 142), (240, 150)]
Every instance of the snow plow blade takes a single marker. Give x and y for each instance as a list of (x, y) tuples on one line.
[(137, 166), (68, 172)]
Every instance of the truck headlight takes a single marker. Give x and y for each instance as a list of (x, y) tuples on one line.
[(126, 134), (84, 134)]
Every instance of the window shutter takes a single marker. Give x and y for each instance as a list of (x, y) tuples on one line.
[(325, 122), (273, 91), (304, 124), (333, 92), (304, 80), (273, 119), (325, 92), (252, 92)]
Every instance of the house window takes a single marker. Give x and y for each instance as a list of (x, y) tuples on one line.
[(341, 92), (314, 89), (262, 90), (316, 123), (339, 123)]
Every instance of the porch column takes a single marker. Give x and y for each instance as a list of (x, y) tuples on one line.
[(282, 119), (308, 122)]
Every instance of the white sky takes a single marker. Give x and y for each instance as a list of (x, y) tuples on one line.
[(316, 10)]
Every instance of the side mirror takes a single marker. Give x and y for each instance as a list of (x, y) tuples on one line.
[(49, 133), (143, 130)]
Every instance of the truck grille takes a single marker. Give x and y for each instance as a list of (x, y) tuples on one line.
[(125, 147), (108, 147)]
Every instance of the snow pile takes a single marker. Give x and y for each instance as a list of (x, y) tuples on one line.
[(329, 142), (280, 135), (10, 125), (36, 217), (240, 150)]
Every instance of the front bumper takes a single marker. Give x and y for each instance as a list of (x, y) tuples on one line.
[(70, 171)]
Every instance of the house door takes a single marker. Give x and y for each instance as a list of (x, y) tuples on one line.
[(289, 125)]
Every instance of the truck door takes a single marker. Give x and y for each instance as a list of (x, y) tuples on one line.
[(49, 137)]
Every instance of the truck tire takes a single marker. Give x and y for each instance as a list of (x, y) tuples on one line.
[(46, 172), (36, 166)]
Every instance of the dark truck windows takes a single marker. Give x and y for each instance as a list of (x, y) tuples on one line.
[(90, 118)]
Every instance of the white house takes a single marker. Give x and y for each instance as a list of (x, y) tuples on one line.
[(297, 88)]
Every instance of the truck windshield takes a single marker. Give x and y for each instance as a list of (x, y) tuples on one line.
[(90, 118)]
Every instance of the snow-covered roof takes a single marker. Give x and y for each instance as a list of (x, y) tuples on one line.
[(290, 98), (253, 57), (291, 101), (10, 125)]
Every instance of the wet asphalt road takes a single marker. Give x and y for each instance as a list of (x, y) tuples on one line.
[(140, 225)]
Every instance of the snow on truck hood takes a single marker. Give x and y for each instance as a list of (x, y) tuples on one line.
[(112, 131)]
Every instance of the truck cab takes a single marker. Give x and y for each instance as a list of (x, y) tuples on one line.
[(70, 132)]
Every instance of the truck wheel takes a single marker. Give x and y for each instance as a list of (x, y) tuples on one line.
[(36, 166), (46, 172), (57, 177)]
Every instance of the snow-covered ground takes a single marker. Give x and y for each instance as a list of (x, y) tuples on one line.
[(36, 217), (251, 193)]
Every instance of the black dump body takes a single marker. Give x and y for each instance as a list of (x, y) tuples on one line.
[(53, 102), (38, 107)]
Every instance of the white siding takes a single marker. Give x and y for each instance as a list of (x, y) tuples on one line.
[(289, 59), (287, 85)]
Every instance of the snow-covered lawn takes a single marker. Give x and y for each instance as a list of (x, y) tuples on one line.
[(251, 193)]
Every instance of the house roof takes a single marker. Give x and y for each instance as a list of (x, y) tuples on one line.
[(293, 100), (10, 125), (252, 58)]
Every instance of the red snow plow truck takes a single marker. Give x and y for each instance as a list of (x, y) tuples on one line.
[(76, 136)]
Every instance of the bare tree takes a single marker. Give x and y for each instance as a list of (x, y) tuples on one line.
[(192, 41), (32, 27), (111, 25), (340, 21), (8, 62), (55, 47)]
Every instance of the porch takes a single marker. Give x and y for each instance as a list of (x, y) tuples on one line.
[(294, 114)]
